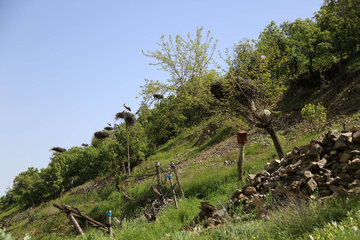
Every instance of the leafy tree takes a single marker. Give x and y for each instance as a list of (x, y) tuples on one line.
[(137, 140), (183, 59), (307, 45), (28, 188), (162, 122), (340, 20)]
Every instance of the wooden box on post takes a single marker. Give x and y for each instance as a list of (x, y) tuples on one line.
[(242, 137)]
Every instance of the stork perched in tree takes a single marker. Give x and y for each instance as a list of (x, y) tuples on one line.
[(127, 107)]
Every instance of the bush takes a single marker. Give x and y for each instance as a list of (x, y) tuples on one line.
[(315, 115)]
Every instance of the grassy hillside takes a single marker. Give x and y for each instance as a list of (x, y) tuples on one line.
[(207, 169), (204, 177)]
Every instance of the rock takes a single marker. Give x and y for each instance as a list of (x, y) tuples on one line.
[(339, 144), (333, 153), (316, 166), (345, 157), (315, 150), (322, 162), (257, 203), (295, 185), (236, 194), (333, 135), (354, 184), (263, 174), (270, 185), (273, 166), (311, 185), (354, 164), (250, 191), (307, 174), (220, 214), (354, 152), (355, 128), (325, 192), (250, 179), (346, 137), (292, 168), (356, 137)]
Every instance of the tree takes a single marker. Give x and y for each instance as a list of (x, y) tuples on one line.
[(340, 19), (184, 60), (248, 90), (28, 188)]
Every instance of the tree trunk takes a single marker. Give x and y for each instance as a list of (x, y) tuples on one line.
[(276, 141), (128, 148)]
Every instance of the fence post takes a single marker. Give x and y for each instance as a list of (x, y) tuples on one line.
[(108, 213), (173, 166), (157, 166), (242, 140), (173, 190)]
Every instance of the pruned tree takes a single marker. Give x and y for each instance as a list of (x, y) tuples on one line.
[(248, 91)]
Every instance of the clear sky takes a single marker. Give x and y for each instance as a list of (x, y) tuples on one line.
[(66, 66)]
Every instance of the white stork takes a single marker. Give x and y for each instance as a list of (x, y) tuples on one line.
[(127, 107)]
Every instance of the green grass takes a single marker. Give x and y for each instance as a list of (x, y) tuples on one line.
[(209, 180)]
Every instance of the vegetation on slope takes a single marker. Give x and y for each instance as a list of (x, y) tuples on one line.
[(319, 53)]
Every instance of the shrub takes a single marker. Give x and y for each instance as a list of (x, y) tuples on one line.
[(315, 115)]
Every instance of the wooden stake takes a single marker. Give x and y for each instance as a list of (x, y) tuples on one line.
[(157, 166), (242, 140), (76, 224), (173, 166), (109, 222), (240, 165), (173, 190), (128, 147)]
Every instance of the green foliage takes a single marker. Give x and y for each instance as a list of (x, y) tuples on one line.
[(315, 115), (340, 20), (4, 235), (183, 59)]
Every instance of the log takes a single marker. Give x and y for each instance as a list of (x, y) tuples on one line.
[(76, 224), (76, 213)]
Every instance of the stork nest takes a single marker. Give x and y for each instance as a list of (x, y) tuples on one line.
[(101, 134), (130, 119), (58, 149), (85, 145), (158, 96), (108, 128)]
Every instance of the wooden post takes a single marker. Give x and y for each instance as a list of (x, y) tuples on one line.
[(173, 166), (157, 166), (108, 213), (173, 190), (128, 147), (76, 224), (240, 165), (61, 194), (242, 140)]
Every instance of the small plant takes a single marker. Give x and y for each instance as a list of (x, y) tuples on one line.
[(4, 235), (315, 115)]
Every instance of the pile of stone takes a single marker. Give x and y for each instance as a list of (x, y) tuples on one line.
[(327, 167)]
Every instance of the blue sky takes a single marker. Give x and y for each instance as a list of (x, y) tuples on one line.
[(66, 67)]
